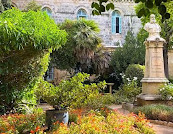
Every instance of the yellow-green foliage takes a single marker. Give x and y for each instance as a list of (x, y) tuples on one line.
[(113, 123), (70, 93)]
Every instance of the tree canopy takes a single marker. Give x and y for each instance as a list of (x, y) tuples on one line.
[(101, 6), (26, 40)]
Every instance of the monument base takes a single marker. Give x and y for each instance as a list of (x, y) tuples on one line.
[(152, 85), (147, 99)]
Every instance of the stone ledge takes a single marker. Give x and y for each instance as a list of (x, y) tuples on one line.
[(152, 80), (149, 97), (159, 122)]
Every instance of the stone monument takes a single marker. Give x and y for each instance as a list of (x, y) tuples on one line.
[(154, 76)]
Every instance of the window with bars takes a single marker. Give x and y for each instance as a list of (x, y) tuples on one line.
[(48, 11), (81, 14), (116, 22), (50, 74)]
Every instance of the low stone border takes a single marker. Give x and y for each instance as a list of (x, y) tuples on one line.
[(165, 123)]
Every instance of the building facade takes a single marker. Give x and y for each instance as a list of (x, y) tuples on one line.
[(114, 25)]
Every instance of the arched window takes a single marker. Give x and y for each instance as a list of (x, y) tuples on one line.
[(48, 11), (81, 14), (116, 22)]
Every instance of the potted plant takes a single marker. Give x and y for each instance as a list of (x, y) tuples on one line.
[(72, 93)]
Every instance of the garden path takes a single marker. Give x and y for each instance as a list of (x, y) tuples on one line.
[(159, 129)]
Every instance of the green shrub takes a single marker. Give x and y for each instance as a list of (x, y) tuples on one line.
[(135, 71), (99, 101), (167, 91), (156, 112), (129, 91), (26, 40), (119, 98), (70, 93)]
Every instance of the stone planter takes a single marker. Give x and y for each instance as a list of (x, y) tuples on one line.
[(56, 115), (127, 106)]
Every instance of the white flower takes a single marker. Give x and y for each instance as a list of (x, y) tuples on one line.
[(5, 22), (121, 74), (135, 78), (128, 79)]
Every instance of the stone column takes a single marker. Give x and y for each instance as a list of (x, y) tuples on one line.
[(154, 76)]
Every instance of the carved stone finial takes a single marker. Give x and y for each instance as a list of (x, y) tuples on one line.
[(153, 29)]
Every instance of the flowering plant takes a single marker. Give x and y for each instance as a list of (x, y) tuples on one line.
[(166, 91), (129, 89), (20, 123), (114, 122)]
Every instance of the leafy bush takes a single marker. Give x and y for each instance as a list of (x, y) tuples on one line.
[(135, 71), (167, 91), (26, 40), (70, 93), (156, 112), (114, 122), (119, 98), (99, 101), (129, 91), (21, 123)]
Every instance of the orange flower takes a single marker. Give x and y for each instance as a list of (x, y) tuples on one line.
[(37, 128), (61, 124)]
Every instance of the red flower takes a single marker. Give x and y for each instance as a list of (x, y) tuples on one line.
[(32, 132)]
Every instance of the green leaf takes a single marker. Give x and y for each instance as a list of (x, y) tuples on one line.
[(93, 5), (102, 8), (162, 9), (164, 0), (141, 12), (137, 1), (112, 6), (103, 1), (95, 12), (158, 2), (96, 6), (147, 12), (149, 4), (167, 15)]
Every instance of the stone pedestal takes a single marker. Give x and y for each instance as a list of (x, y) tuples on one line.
[(154, 76), (110, 87)]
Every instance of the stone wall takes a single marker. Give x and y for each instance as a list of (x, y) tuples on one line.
[(67, 9)]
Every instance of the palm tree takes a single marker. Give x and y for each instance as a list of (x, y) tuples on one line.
[(86, 40), (79, 50)]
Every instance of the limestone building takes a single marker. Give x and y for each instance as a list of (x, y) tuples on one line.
[(113, 24)]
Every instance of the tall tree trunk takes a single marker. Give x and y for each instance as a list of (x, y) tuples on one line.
[(165, 55), (169, 32)]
